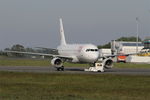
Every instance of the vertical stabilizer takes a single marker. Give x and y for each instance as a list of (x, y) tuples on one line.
[(62, 36)]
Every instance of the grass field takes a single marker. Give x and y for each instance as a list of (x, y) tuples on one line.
[(37, 86), (40, 86), (24, 62), (131, 65), (34, 62)]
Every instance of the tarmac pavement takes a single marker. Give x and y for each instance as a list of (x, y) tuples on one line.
[(75, 70)]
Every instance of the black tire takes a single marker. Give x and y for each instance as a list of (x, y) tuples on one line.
[(62, 68), (98, 71), (58, 69)]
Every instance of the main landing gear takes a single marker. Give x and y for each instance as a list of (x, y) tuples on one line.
[(60, 68)]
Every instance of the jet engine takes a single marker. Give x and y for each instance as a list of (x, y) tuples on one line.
[(57, 62), (108, 63)]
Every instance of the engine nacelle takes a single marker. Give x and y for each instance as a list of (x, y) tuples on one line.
[(108, 63), (57, 62)]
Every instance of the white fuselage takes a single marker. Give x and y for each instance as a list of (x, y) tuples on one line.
[(84, 53)]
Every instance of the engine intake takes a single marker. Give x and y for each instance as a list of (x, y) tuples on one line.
[(57, 62), (108, 63)]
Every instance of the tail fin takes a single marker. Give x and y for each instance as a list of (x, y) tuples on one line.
[(62, 36)]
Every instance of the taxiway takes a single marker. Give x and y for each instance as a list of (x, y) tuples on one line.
[(75, 70)]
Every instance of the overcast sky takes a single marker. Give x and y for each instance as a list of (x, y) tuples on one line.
[(35, 23)]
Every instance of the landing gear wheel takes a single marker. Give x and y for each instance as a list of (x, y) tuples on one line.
[(60, 68), (99, 71)]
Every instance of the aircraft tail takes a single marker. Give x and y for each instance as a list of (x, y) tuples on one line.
[(62, 36)]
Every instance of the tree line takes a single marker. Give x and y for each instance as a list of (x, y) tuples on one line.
[(21, 48)]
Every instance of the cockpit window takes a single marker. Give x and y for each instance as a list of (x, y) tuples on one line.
[(87, 50), (96, 49), (92, 50)]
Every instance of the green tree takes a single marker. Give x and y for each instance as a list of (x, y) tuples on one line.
[(18, 47), (129, 39), (29, 50), (106, 46)]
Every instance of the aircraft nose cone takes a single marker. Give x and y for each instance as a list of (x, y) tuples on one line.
[(93, 58)]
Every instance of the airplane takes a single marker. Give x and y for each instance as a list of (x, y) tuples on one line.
[(75, 53)]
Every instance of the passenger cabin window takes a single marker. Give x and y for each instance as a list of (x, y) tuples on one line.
[(91, 50)]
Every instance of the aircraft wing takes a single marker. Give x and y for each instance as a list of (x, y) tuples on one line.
[(47, 48), (42, 54), (122, 54)]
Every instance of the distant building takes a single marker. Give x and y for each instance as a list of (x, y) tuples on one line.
[(126, 47), (119, 47), (131, 47), (138, 59), (146, 43)]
